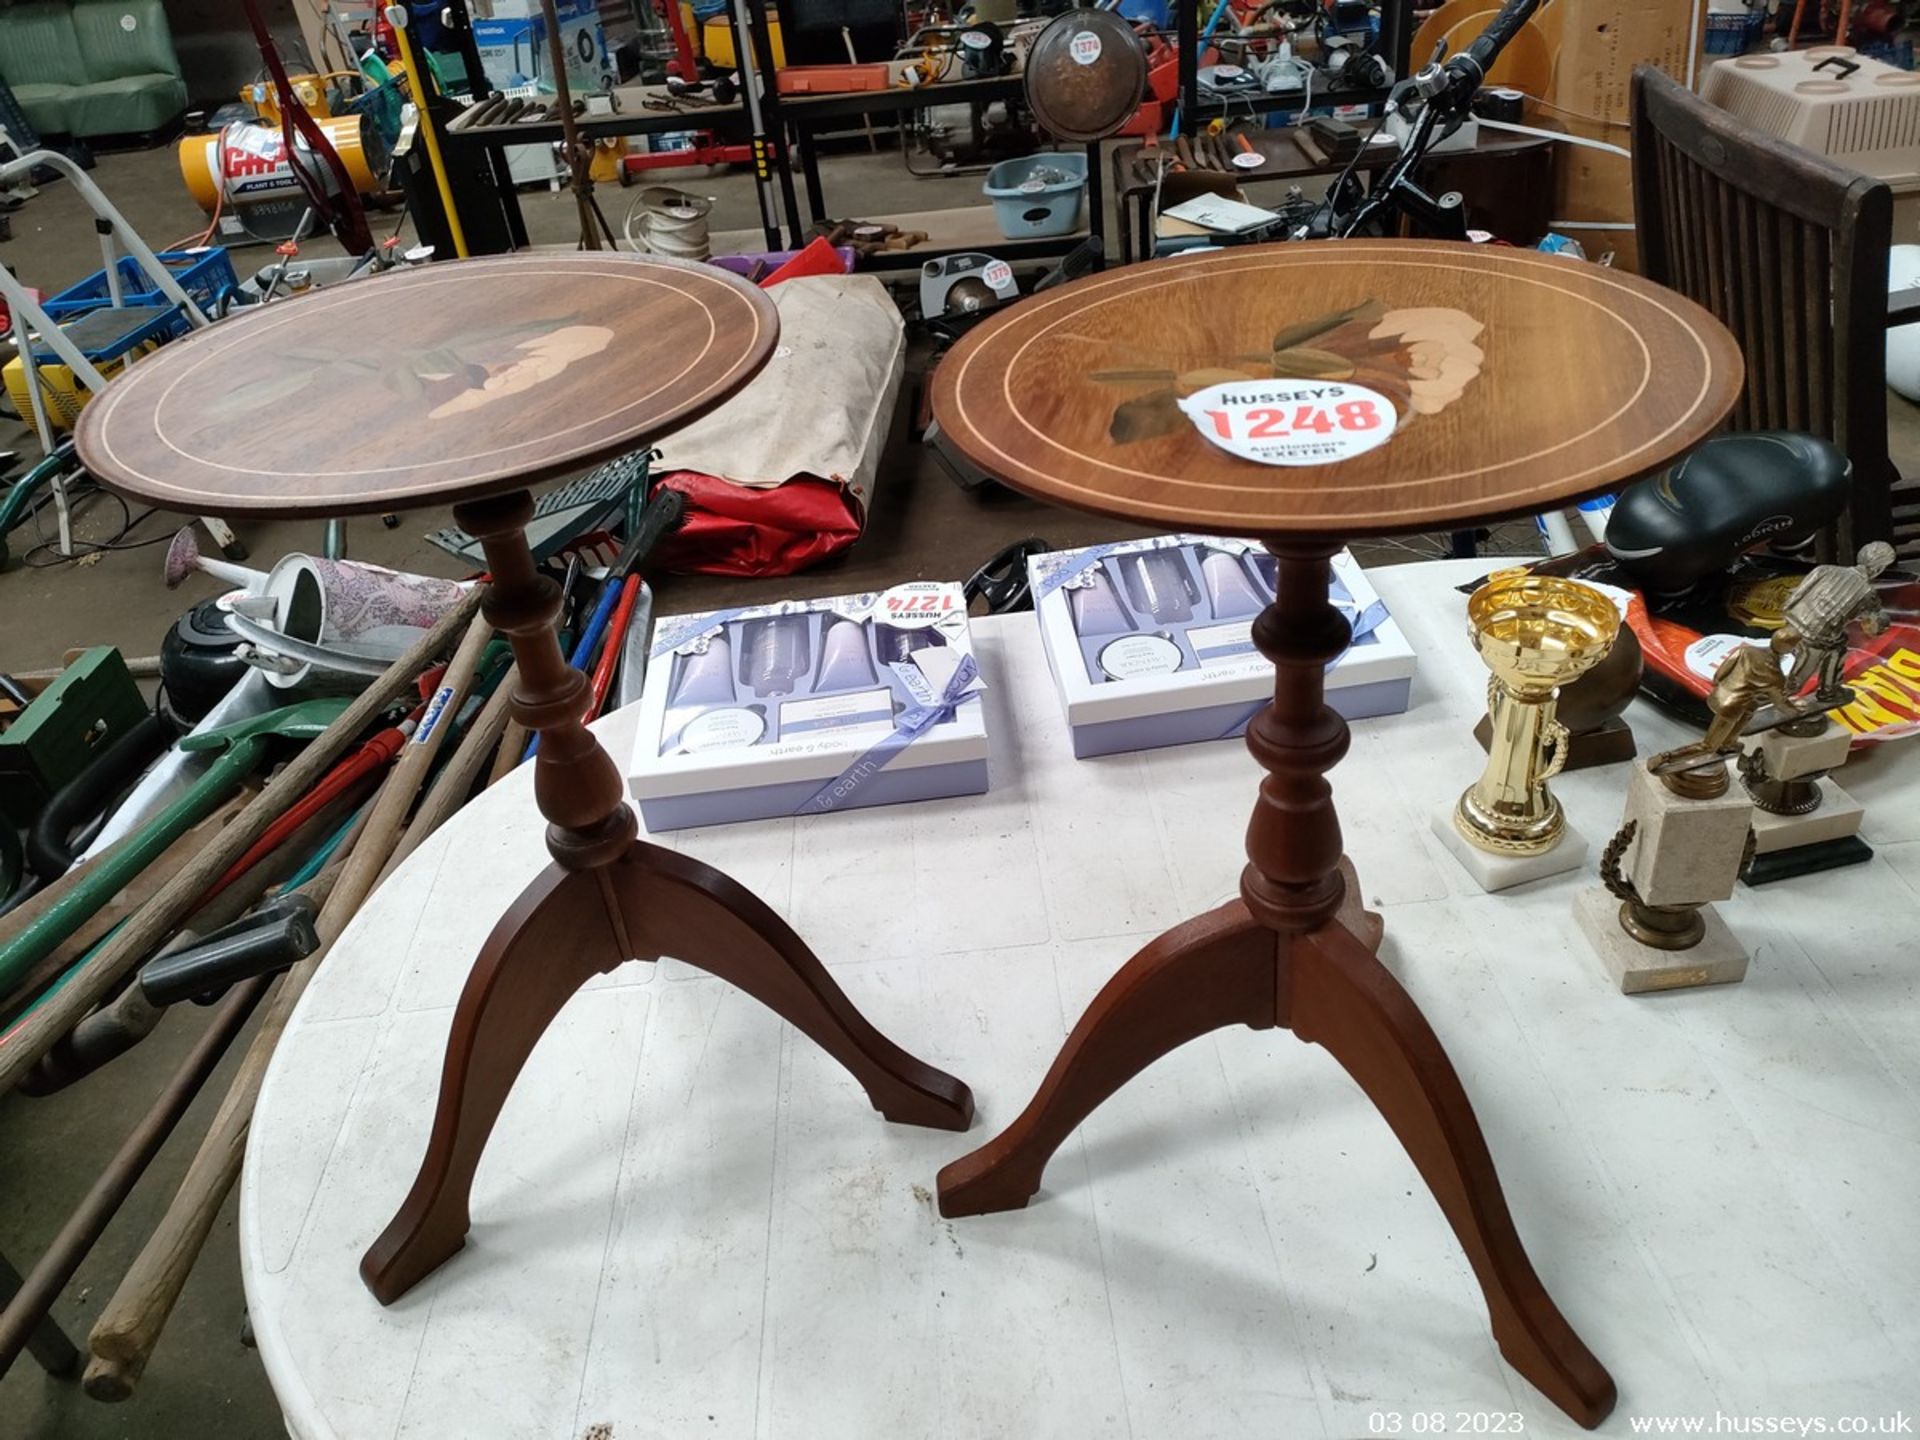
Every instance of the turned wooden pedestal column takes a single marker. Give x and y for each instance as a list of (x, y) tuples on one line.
[(1075, 397), (608, 898), (1297, 950)]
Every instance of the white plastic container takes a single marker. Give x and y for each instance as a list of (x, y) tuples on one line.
[(1838, 103)]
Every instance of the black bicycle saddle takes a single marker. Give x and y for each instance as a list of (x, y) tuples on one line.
[(1773, 487)]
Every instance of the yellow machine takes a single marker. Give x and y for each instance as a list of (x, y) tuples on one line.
[(243, 175), (60, 393), (716, 39)]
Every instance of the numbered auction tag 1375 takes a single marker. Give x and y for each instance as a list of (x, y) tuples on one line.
[(1292, 422)]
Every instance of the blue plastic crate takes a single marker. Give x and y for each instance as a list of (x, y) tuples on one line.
[(104, 333), (203, 274), (1734, 32), (1028, 206)]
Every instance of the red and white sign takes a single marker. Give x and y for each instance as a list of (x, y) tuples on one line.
[(918, 603), (1084, 47), (261, 156), (1292, 422)]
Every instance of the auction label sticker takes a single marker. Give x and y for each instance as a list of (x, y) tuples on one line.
[(1084, 47), (1134, 655), (997, 275), (1292, 422), (1704, 655), (918, 604)]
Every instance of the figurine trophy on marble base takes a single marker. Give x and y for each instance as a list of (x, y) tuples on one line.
[(1689, 836), (1803, 822), (1686, 837), (1536, 633)]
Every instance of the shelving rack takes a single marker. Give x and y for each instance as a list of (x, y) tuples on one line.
[(1396, 38), (793, 124)]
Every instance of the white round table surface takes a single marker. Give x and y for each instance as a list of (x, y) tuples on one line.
[(690, 1223)]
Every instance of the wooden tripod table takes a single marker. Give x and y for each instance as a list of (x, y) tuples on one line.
[(1384, 387), (469, 382)]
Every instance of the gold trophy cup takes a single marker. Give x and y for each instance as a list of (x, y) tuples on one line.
[(1535, 633)]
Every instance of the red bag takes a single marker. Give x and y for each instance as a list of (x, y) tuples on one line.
[(754, 530), (733, 530)]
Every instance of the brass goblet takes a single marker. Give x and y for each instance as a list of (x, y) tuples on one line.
[(1536, 633)]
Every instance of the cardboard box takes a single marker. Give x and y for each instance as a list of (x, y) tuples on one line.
[(1150, 641), (1597, 44), (513, 48), (512, 44), (805, 707)]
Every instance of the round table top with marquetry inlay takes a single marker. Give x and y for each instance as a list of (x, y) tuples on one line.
[(440, 383), (1337, 388)]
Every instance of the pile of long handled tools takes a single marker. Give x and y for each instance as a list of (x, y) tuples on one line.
[(231, 895)]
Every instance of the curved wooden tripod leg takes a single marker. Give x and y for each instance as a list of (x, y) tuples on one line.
[(1341, 997), (1214, 971), (555, 938), (676, 905), (558, 936), (1363, 924)]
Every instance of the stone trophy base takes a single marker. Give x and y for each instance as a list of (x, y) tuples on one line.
[(1719, 958), (1824, 835), (1837, 816), (1676, 855), (1502, 872), (1684, 851)]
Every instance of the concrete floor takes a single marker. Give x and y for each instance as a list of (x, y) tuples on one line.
[(203, 1382)]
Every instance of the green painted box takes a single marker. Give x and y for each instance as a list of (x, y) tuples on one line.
[(92, 704)]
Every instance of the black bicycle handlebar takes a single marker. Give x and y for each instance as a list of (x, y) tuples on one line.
[(1467, 69), (1447, 89)]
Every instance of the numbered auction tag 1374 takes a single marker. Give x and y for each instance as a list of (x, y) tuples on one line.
[(1292, 422)]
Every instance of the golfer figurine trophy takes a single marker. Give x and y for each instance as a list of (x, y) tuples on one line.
[(1689, 832), (1802, 821), (1536, 633)]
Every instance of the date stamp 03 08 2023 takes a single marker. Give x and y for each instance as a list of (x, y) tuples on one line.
[(1512, 1422)]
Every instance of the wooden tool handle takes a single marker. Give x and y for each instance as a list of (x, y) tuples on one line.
[(128, 1328), (390, 806), (33, 1036), (513, 743), (124, 1336), (449, 789)]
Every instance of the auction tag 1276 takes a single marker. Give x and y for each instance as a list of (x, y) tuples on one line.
[(1291, 422)]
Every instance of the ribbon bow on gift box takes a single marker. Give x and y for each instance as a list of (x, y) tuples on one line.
[(928, 710)]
